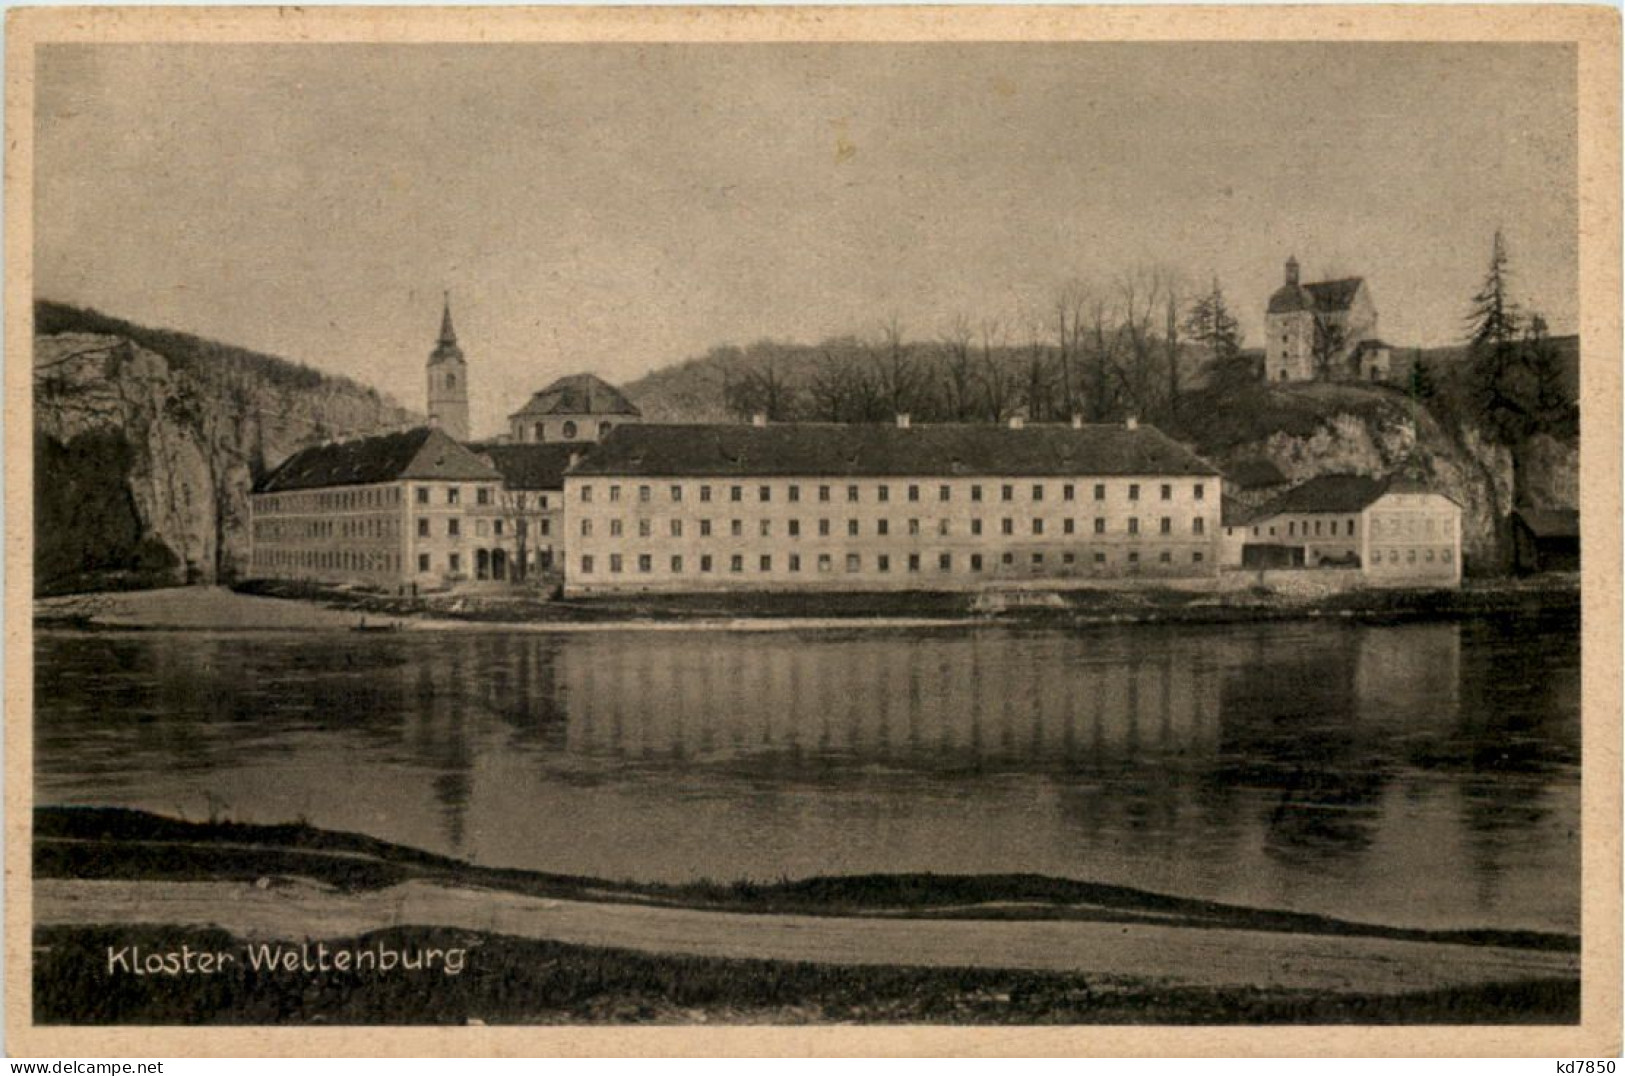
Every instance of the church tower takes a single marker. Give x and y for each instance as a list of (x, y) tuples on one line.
[(448, 381)]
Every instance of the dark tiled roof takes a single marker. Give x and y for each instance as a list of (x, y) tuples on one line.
[(1341, 493), (1255, 474), (1551, 522), (1373, 345), (419, 453), (1290, 299), (1328, 493), (815, 449), (1324, 296), (579, 394), (539, 466), (1335, 294)]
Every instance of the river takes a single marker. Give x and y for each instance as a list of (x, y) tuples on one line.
[(1422, 775)]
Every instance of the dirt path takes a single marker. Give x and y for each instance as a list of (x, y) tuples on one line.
[(1173, 955)]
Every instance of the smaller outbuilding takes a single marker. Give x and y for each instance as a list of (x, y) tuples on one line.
[(1546, 539), (1394, 530)]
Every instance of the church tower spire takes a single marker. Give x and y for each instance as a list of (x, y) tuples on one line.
[(448, 380), (448, 335)]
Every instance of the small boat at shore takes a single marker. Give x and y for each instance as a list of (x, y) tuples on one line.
[(392, 625)]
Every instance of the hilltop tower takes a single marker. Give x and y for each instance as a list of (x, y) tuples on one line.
[(1323, 330), (448, 381)]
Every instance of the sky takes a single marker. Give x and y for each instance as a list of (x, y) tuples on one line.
[(615, 208)]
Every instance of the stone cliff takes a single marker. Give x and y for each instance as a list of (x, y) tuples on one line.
[(146, 444), (1323, 428)]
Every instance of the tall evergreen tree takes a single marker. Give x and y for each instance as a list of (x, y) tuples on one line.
[(1515, 371), (1494, 320), (1211, 324)]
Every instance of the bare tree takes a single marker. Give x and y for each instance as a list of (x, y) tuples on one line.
[(1071, 304), (834, 389), (995, 375), (1140, 293), (895, 376), (761, 387), (1038, 378), (1104, 339), (959, 371), (1170, 342), (1330, 339)]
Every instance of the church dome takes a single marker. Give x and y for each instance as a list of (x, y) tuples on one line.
[(1290, 299)]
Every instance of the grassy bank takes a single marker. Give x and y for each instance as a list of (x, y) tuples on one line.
[(511, 980), (118, 844)]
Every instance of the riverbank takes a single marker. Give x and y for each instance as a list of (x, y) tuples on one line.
[(552, 948), (268, 605)]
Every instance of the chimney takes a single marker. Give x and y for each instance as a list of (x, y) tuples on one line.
[(434, 422), (1292, 272), (1132, 423), (902, 420), (1077, 420), (759, 419), (1017, 422), (575, 458)]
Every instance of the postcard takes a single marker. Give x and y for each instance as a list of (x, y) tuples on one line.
[(813, 530)]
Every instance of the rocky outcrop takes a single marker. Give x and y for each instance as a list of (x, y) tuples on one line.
[(1344, 429), (144, 460)]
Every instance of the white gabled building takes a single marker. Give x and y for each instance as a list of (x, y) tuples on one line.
[(1394, 530)]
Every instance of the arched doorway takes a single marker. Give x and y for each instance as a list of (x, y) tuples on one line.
[(482, 564), (499, 564)]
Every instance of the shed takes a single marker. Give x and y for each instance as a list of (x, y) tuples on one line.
[(1546, 539)]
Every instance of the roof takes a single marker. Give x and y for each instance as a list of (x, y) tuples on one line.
[(1323, 296), (1335, 294), (1255, 474), (421, 453), (1551, 522), (531, 466), (1327, 493), (579, 394), (820, 449), (1290, 298), (1372, 344), (1340, 493)]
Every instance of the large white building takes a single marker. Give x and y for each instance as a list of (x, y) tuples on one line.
[(938, 507)]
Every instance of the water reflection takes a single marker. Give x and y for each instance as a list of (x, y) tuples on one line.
[(1409, 774)]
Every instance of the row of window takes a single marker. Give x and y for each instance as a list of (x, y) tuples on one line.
[(1411, 555), (882, 492), (1410, 526), (306, 529), (825, 562), (454, 495), (1294, 528), (336, 560), (327, 500), (1401, 527), (943, 527), (482, 527), (569, 430)]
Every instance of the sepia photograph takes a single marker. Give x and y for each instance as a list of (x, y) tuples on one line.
[(684, 530)]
